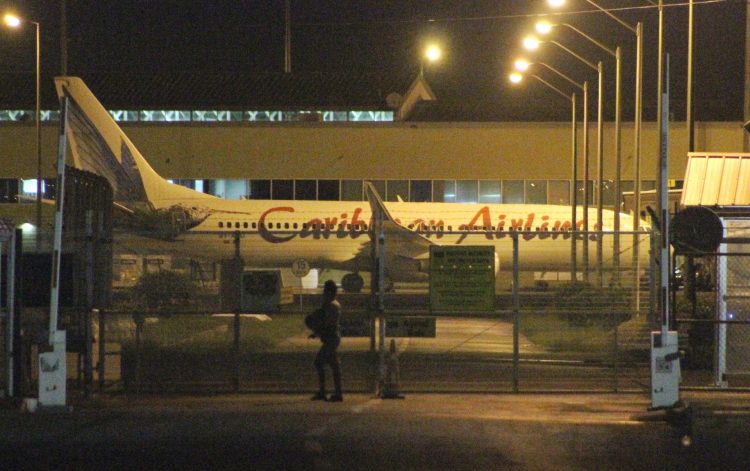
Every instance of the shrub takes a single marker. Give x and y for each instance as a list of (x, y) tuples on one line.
[(164, 288)]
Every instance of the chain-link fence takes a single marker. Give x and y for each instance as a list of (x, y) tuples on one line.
[(556, 323), (572, 326), (713, 311)]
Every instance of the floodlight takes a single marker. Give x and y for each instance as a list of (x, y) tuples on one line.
[(12, 20), (531, 43)]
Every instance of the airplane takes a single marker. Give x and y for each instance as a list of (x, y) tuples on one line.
[(326, 234)]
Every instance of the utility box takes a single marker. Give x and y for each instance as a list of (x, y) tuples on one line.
[(262, 291), (665, 370), (53, 373)]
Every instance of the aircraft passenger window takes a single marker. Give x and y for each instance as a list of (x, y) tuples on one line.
[(450, 228), (286, 225), (221, 224), (295, 225), (244, 225), (304, 225), (254, 225), (236, 225)]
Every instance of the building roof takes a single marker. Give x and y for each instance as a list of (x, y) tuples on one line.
[(459, 97), (716, 179)]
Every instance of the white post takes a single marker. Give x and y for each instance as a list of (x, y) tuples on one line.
[(720, 357), (52, 365)]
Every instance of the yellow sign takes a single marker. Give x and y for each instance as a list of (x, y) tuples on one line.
[(462, 278)]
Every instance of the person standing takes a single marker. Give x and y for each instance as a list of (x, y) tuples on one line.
[(329, 332)]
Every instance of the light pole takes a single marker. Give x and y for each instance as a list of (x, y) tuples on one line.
[(14, 22), (689, 98), (545, 27), (638, 31), (517, 78), (531, 43)]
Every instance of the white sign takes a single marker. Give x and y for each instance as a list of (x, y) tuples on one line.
[(300, 268)]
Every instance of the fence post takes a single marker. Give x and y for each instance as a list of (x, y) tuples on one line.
[(516, 311), (88, 370), (616, 365), (236, 352), (102, 350), (138, 318)]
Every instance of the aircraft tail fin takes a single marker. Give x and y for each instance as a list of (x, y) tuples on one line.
[(100, 146)]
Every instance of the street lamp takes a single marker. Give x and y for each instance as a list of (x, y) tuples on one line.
[(432, 53), (15, 21), (545, 27), (533, 43), (638, 31), (516, 78)]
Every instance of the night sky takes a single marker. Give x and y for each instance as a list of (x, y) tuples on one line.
[(480, 40)]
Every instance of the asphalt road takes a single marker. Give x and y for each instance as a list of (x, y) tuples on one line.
[(452, 432)]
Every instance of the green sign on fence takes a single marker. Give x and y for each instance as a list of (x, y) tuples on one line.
[(462, 278)]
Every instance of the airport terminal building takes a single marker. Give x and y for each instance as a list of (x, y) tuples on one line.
[(319, 136)]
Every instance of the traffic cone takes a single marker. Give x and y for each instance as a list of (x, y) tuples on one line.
[(390, 389)]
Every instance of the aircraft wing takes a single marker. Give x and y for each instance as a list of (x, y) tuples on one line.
[(398, 239)]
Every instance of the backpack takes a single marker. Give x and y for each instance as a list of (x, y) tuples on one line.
[(314, 320)]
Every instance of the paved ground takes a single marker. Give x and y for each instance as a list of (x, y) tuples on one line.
[(503, 431)]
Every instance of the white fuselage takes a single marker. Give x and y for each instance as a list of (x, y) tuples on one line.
[(336, 234)]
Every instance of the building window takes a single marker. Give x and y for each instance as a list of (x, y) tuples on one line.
[(536, 192), (444, 191), (396, 188), (351, 190), (489, 192), (283, 190), (467, 191), (328, 190), (8, 190), (165, 115), (379, 187), (608, 193), (305, 190), (579, 192), (259, 190), (558, 192), (420, 191), (513, 191)]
